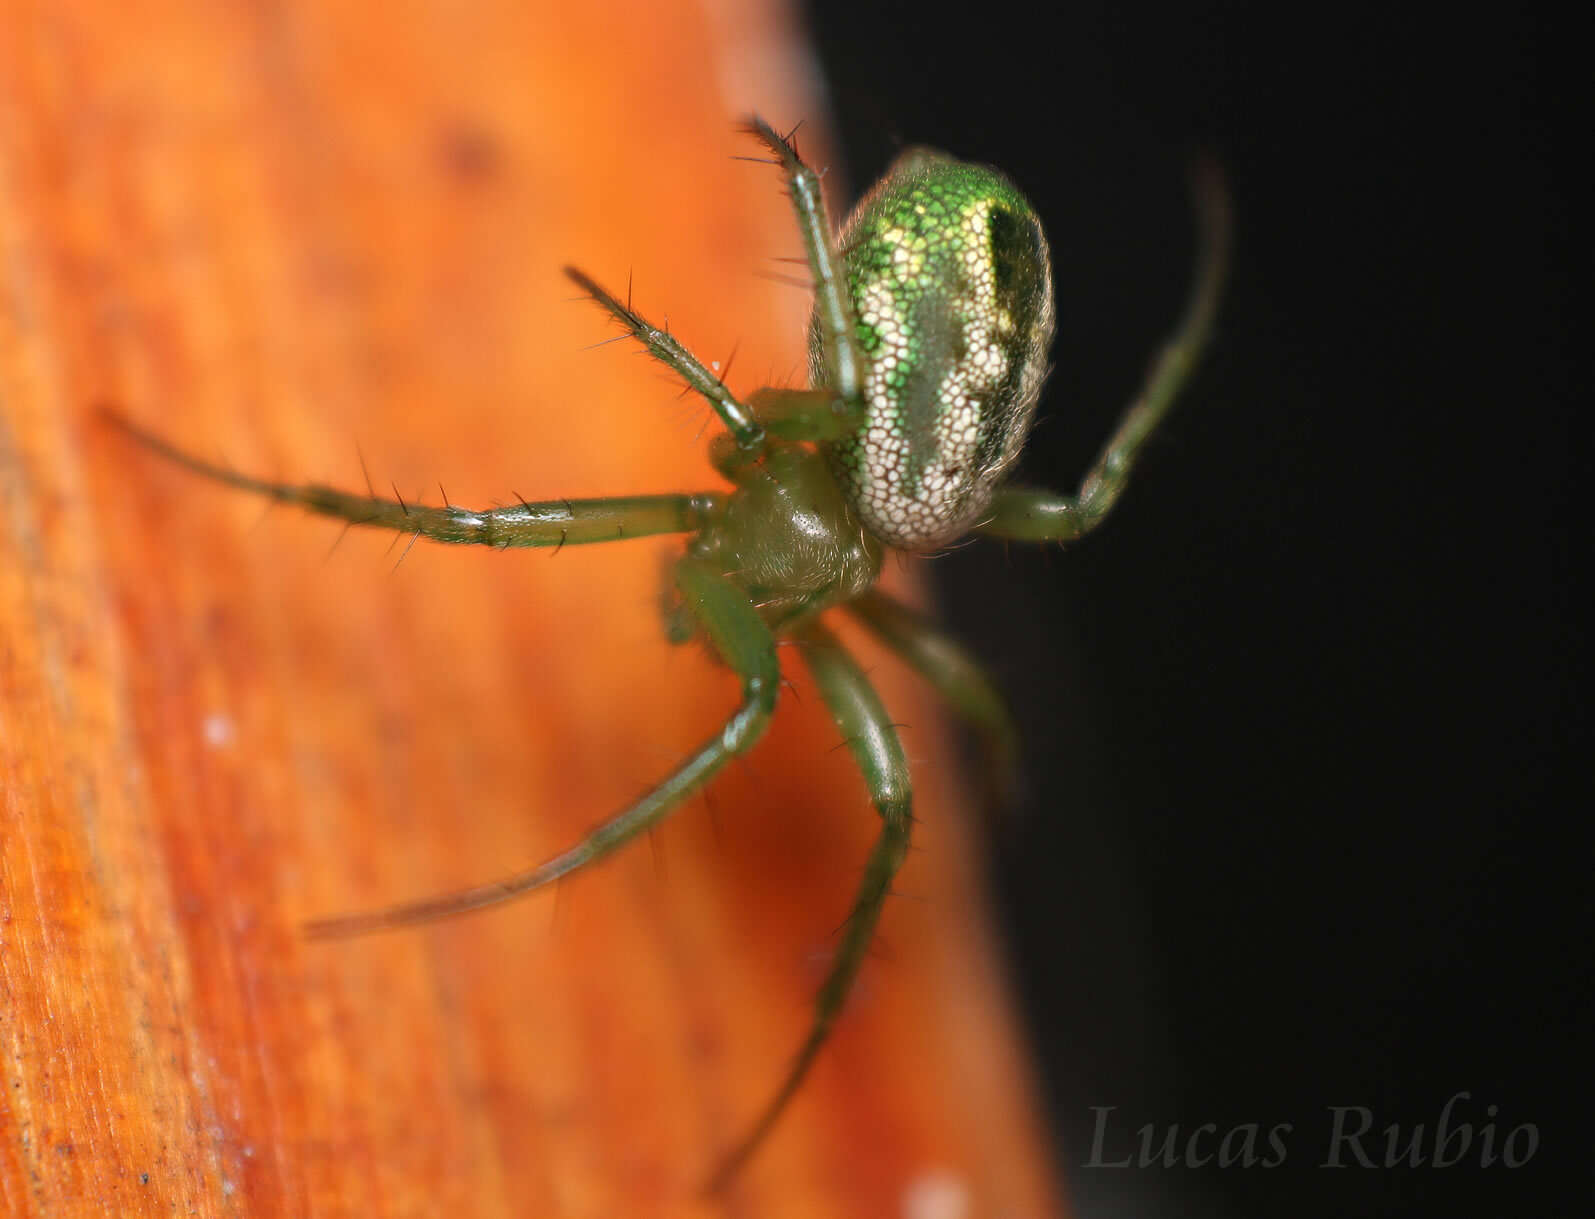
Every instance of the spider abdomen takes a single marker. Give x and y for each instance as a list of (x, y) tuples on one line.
[(952, 285)]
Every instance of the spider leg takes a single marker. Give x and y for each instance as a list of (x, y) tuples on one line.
[(1038, 516), (667, 349), (803, 414), (560, 522), (955, 675), (870, 735), (737, 632), (842, 356), (789, 414)]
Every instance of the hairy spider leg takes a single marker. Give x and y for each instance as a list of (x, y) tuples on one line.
[(843, 354), (870, 735), (558, 522), (1044, 516), (953, 673), (745, 643), (668, 350), (815, 414)]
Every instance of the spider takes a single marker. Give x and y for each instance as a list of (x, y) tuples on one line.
[(933, 316)]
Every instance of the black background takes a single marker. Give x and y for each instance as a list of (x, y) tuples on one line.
[(1305, 721)]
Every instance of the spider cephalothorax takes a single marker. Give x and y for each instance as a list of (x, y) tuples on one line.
[(928, 349)]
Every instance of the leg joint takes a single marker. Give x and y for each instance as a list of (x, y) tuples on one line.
[(892, 798), (759, 691)]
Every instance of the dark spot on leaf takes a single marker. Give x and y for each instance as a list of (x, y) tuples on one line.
[(468, 153)]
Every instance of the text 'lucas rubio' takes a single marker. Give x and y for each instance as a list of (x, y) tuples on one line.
[(1352, 1142)]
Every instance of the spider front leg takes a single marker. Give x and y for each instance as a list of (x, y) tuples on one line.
[(842, 354), (742, 640), (1041, 516), (559, 522), (869, 734), (668, 350), (803, 415)]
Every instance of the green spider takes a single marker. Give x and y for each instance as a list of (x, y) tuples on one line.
[(928, 347)]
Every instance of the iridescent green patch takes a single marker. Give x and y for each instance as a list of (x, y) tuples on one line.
[(949, 274)]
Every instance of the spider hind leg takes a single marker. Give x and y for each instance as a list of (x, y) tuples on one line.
[(955, 675)]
